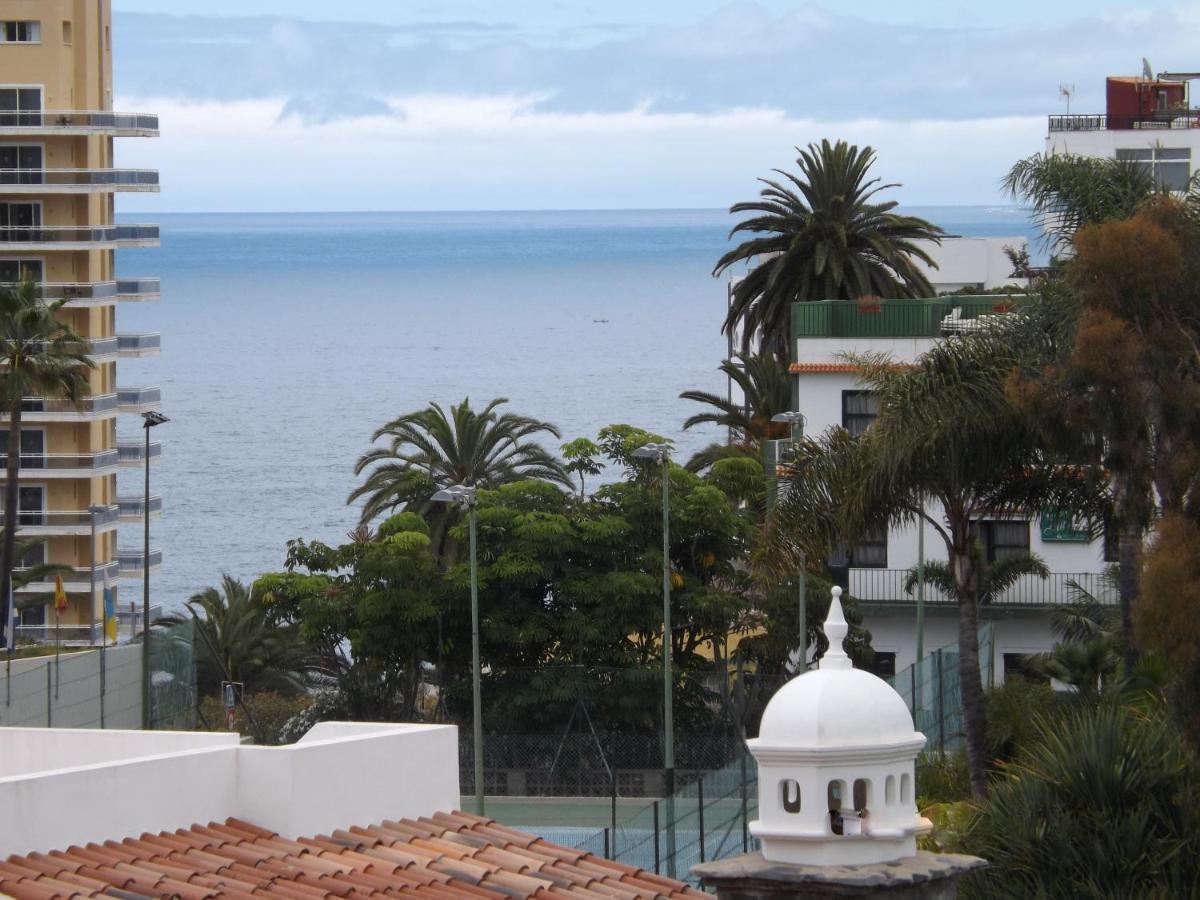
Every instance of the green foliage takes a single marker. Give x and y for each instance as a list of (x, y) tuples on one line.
[(261, 715), (238, 638), (580, 455), (942, 779), (821, 235), (1012, 711), (950, 822), (1104, 803), (765, 389)]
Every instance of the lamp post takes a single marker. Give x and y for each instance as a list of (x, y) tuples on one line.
[(149, 420), (93, 511), (662, 453), (796, 421), (464, 496)]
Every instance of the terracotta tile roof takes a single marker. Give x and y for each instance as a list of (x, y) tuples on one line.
[(831, 368), (448, 856)]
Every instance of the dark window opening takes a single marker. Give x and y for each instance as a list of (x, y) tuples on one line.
[(859, 410), (883, 665), (1001, 538)]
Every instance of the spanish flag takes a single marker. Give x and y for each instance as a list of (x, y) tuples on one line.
[(110, 615), (60, 595)]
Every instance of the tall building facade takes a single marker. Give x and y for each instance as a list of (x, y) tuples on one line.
[(58, 187)]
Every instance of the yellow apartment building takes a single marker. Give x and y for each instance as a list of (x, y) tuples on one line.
[(58, 186)]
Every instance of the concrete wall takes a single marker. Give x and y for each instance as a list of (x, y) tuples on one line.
[(69, 787), (67, 693), (970, 262)]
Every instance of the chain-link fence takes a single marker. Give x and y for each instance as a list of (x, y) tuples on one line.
[(933, 692), (102, 688)]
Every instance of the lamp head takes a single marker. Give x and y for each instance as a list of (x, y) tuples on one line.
[(792, 418), (652, 451), (150, 419)]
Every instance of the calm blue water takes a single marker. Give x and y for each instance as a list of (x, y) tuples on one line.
[(288, 338)]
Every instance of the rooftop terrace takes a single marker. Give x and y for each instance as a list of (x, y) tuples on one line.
[(927, 317)]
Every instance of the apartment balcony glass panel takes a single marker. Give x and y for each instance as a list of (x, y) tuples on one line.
[(62, 522), (14, 121), (147, 343), (53, 409), (138, 289), (76, 237), (133, 509), (75, 293), (76, 580), (133, 452), (69, 465), (139, 399), (76, 181), (67, 635), (133, 562)]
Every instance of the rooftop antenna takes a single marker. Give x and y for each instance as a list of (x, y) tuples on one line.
[(1067, 91), (1147, 72)]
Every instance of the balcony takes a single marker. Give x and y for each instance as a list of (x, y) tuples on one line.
[(138, 289), (885, 587), (133, 562), (921, 318), (1162, 120), (75, 581), (133, 509), (22, 122), (50, 409), (139, 400), (77, 522), (133, 346), (14, 238), (76, 181), (44, 466), (75, 293), (133, 453)]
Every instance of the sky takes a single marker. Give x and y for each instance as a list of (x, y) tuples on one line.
[(584, 104)]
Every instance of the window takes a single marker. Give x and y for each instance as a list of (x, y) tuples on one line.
[(1169, 167), (870, 552), (20, 106), (889, 791), (859, 409), (906, 788), (1016, 665), (14, 270), (31, 504), (20, 32), (33, 444), (883, 665), (1001, 538), (21, 164), (35, 557), (18, 219), (862, 794)]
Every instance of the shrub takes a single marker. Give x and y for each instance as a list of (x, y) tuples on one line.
[(262, 716)]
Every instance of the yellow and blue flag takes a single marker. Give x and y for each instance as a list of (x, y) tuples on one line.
[(110, 615)]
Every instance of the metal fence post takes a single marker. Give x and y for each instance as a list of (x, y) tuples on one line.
[(745, 808), (612, 812), (606, 852), (700, 811), (657, 857), (49, 696)]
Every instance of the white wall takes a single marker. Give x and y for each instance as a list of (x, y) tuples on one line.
[(1105, 143), (63, 787), (970, 261)]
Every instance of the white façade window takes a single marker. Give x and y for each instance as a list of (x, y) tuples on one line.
[(1170, 167), (20, 32)]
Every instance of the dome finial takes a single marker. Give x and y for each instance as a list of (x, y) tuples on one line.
[(835, 632)]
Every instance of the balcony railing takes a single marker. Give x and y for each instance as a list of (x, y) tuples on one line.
[(139, 399), (133, 509), (63, 519), (147, 343), (133, 452), (133, 562), (886, 587), (75, 181), (77, 579), (54, 409), (74, 292), (67, 237), (138, 289), (79, 122), (85, 463), (897, 318), (1163, 119)]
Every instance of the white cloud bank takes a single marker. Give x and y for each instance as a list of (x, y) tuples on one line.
[(510, 152)]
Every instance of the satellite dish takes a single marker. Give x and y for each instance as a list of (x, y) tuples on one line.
[(1147, 72)]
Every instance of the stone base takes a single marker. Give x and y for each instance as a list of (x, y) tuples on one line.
[(926, 876)]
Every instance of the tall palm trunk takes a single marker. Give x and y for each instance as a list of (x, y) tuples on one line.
[(966, 589), (11, 499), (1129, 551)]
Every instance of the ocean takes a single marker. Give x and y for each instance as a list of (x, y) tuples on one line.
[(289, 338)]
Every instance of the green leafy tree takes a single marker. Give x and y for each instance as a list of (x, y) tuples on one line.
[(821, 235), (238, 638), (580, 455), (765, 391), (430, 448), (39, 356)]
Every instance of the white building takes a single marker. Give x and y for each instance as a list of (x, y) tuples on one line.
[(1146, 119), (829, 394)]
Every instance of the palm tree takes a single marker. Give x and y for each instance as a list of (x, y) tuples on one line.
[(428, 448), (766, 391), (1066, 192), (994, 578), (39, 356), (825, 238), (239, 640)]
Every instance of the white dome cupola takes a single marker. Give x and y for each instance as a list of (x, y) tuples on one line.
[(836, 753)]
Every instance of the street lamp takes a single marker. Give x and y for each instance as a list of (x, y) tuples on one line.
[(463, 496), (796, 421), (662, 453), (149, 420)]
